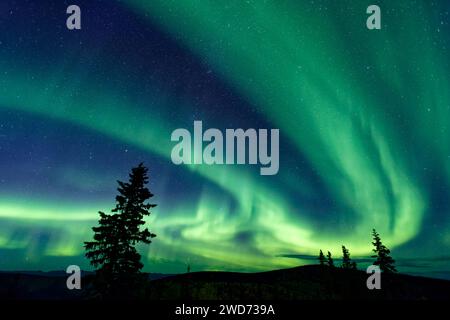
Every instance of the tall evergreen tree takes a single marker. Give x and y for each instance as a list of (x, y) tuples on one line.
[(113, 251), (347, 262), (322, 259), (330, 261), (382, 254)]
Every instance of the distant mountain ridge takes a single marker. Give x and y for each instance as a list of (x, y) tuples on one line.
[(60, 273)]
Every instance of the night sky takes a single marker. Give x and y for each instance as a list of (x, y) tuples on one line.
[(364, 119)]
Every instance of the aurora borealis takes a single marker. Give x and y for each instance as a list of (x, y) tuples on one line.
[(364, 119)]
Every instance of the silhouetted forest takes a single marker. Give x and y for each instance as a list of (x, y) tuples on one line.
[(118, 268), (382, 257)]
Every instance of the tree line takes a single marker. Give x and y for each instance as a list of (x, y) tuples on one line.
[(382, 257)]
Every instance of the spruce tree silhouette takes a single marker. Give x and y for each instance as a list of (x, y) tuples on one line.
[(113, 252), (347, 262), (321, 258), (330, 261), (382, 255)]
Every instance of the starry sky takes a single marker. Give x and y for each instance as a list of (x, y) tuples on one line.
[(364, 119)]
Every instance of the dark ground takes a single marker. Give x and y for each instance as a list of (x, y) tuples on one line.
[(301, 283)]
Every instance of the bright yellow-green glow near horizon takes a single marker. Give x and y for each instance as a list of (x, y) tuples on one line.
[(364, 118)]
